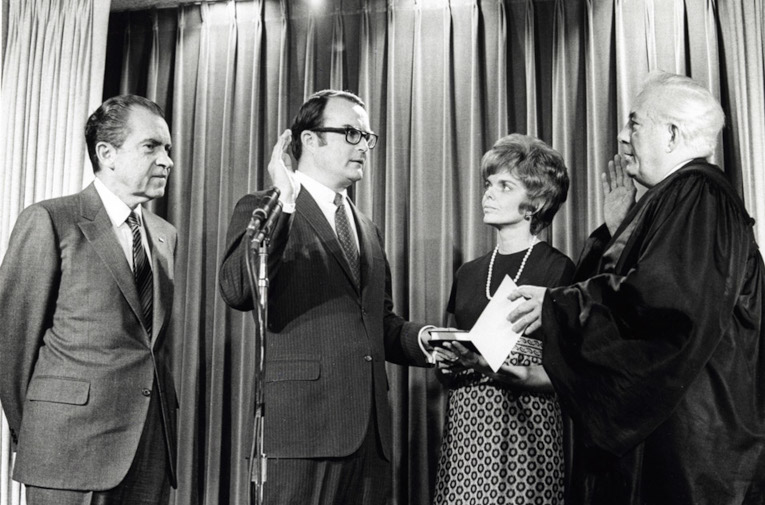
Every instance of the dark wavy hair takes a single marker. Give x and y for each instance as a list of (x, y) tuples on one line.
[(109, 123), (311, 115), (539, 167)]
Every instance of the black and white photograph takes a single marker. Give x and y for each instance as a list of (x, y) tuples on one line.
[(382, 252)]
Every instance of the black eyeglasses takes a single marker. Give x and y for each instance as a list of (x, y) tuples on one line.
[(352, 135)]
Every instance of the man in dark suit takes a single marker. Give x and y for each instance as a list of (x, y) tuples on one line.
[(331, 321), (86, 289)]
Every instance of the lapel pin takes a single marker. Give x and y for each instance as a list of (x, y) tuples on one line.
[(161, 239)]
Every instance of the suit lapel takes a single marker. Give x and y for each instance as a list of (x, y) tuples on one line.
[(97, 229), (161, 266), (367, 235), (309, 209)]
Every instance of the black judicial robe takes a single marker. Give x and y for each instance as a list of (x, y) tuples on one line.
[(658, 352)]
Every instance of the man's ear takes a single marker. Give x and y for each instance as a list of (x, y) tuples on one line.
[(674, 137), (309, 140), (105, 153)]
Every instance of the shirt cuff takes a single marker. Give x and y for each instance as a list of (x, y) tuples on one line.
[(289, 207), (429, 356)]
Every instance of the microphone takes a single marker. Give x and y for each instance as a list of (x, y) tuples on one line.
[(267, 228), (261, 214)]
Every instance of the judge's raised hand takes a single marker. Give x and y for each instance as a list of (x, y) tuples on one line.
[(281, 171), (618, 193), (527, 316)]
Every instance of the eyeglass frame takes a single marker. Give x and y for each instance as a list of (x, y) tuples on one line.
[(347, 130)]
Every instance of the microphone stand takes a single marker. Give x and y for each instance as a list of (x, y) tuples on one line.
[(258, 246)]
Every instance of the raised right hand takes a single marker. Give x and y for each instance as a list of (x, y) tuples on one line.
[(618, 193), (281, 171)]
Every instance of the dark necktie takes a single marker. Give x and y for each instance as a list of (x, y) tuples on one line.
[(142, 272), (345, 236)]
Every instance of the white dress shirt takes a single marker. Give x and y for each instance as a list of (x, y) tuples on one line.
[(325, 198), (118, 213)]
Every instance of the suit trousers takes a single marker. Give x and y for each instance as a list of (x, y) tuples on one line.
[(146, 482), (363, 478)]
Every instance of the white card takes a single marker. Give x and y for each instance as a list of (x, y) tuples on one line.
[(493, 333)]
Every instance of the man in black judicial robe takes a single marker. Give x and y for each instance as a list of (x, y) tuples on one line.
[(658, 350)]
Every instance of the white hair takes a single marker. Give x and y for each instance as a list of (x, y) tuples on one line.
[(685, 103)]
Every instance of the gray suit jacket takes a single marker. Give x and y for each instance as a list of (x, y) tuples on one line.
[(76, 364), (327, 342)]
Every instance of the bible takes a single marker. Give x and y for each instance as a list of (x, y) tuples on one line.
[(439, 336)]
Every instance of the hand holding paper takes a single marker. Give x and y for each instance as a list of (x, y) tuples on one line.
[(527, 309), (493, 333)]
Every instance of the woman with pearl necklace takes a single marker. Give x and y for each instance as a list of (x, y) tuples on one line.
[(503, 436)]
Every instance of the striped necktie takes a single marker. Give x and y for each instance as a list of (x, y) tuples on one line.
[(345, 236), (142, 272)]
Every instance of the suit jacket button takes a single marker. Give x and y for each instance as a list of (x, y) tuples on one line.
[(146, 392), (367, 358)]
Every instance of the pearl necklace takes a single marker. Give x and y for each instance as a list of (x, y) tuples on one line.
[(520, 269)]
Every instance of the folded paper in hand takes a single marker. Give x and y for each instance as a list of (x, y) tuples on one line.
[(493, 333)]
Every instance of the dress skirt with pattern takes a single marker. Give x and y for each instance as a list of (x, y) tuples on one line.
[(501, 446)]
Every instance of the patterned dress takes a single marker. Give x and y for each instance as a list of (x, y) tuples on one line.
[(501, 446)]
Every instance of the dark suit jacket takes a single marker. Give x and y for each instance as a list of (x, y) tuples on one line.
[(327, 342), (76, 363)]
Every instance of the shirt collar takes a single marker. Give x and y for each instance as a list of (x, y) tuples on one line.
[(317, 190), (117, 210)]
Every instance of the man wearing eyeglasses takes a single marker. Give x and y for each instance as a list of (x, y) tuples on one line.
[(331, 321)]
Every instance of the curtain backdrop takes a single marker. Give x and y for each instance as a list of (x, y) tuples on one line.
[(442, 81), (52, 75)]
